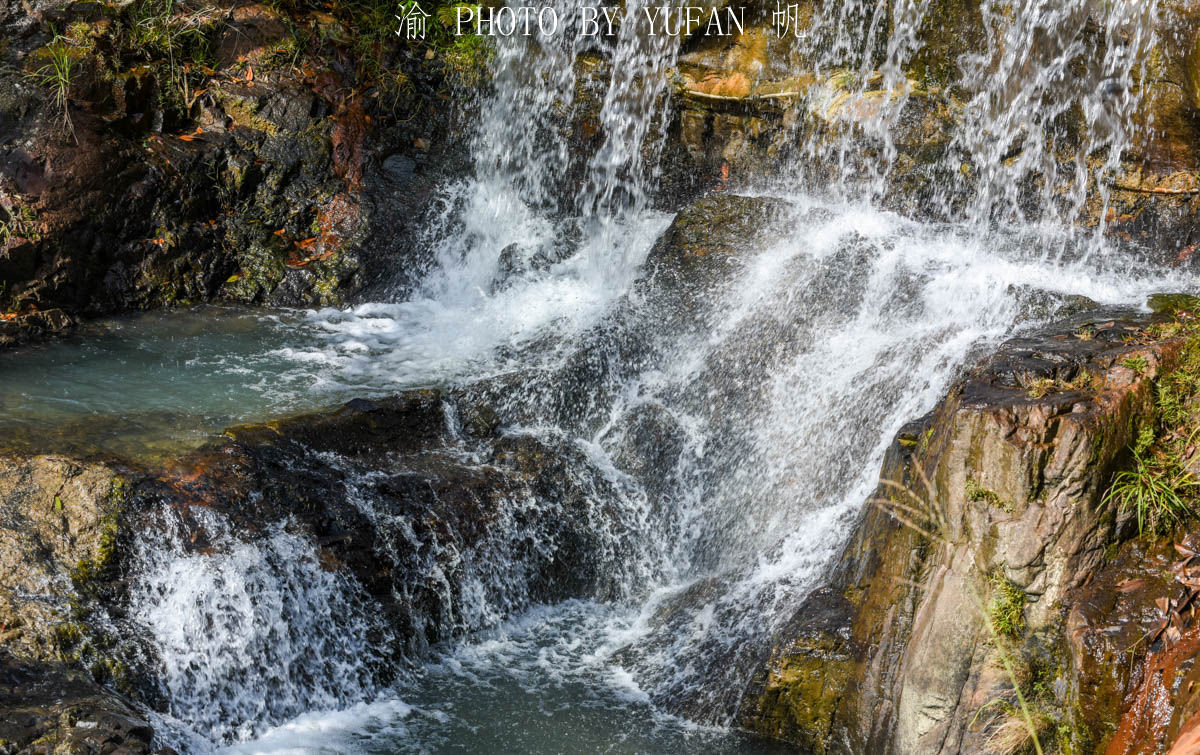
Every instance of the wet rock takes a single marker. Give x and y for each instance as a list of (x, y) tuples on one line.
[(707, 235), (798, 697), (48, 708), (403, 494), (446, 521), (58, 529), (251, 31), (1116, 611)]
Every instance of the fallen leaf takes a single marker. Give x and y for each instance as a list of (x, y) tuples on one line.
[(1173, 635), (1129, 585)]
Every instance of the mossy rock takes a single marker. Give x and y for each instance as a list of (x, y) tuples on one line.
[(807, 676)]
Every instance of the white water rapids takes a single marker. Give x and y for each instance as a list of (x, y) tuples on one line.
[(745, 433)]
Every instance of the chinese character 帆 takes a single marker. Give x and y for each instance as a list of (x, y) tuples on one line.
[(784, 18), (412, 21)]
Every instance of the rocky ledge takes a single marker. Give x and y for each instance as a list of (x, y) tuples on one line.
[(993, 590), (412, 499)]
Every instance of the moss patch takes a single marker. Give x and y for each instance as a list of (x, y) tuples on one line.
[(979, 494)]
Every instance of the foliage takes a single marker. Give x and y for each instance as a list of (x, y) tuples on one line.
[(1157, 491), (58, 64), (1137, 363), (1016, 729), (1006, 612), (168, 30), (17, 221), (1038, 387), (369, 29)]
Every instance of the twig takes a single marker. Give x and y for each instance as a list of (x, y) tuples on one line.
[(1140, 190)]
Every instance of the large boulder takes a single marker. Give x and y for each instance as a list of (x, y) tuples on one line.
[(951, 591)]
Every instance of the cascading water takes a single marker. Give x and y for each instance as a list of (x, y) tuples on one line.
[(740, 422)]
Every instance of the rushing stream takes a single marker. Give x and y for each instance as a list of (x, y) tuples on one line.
[(741, 433)]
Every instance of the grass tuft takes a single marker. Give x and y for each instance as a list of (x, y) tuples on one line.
[(1017, 732), (57, 73), (1138, 364), (1156, 491), (1006, 612)]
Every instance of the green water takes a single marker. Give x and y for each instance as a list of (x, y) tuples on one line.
[(152, 384)]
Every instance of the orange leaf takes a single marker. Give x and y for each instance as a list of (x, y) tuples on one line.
[(9, 316), (281, 231), (306, 243)]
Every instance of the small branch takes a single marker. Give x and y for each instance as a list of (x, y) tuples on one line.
[(1140, 190), (747, 98)]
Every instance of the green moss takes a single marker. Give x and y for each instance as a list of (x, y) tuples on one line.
[(244, 112), (803, 691), (90, 575), (926, 439), (467, 58), (1173, 304), (979, 494)]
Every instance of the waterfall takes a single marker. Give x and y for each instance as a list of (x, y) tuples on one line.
[(738, 424)]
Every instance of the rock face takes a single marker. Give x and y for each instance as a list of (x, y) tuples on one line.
[(956, 583), (251, 176)]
